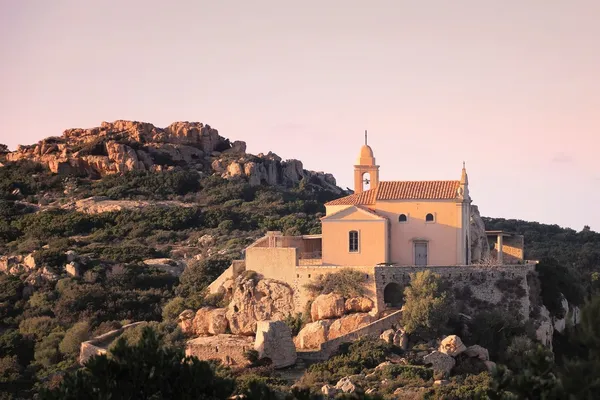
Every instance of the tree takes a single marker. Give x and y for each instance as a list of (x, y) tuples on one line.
[(427, 305), (534, 379), (197, 276), (146, 370)]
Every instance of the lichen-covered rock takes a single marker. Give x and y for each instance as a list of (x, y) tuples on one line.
[(274, 341), (262, 300), (312, 335), (441, 363), (359, 305), (186, 322), (452, 345), (348, 323), (478, 351), (327, 306), (388, 336)]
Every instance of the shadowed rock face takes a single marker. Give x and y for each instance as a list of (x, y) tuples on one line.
[(123, 146)]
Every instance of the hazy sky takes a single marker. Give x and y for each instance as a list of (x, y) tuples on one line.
[(511, 87)]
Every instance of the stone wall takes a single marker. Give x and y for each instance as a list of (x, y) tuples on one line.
[(374, 329), (229, 349), (483, 281), (307, 274), (99, 345), (234, 270)]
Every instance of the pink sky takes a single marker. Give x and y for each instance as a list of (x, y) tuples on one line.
[(511, 87)]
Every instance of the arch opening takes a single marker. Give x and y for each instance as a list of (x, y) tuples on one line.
[(393, 295), (366, 181)]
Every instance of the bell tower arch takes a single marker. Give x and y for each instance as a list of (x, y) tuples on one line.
[(366, 172)]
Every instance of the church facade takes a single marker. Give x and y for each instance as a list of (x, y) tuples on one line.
[(398, 222)]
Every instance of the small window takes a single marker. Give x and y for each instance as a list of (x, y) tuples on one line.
[(402, 218), (353, 241), (429, 218)]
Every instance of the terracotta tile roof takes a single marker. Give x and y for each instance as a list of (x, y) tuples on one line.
[(402, 190)]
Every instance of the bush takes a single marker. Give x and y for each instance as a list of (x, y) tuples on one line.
[(39, 327), (173, 308), (78, 333), (347, 283), (427, 305)]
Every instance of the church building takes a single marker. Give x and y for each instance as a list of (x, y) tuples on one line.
[(397, 222)]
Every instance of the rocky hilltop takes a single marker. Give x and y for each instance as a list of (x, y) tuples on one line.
[(122, 146)]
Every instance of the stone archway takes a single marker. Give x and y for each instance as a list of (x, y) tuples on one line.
[(393, 295)]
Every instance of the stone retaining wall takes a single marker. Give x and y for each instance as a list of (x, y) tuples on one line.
[(99, 345), (374, 329)]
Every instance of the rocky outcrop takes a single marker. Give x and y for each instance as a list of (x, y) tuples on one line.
[(359, 305), (208, 321), (480, 249), (545, 330), (388, 336), (348, 323), (452, 345), (261, 300), (327, 306), (274, 341), (123, 146), (313, 335)]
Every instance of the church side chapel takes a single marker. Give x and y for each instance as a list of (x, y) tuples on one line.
[(398, 222)]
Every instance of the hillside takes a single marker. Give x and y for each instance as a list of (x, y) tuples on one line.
[(97, 227)]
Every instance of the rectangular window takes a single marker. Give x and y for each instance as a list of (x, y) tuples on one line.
[(353, 241)]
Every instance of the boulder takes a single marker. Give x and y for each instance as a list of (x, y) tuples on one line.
[(388, 336), (200, 322), (478, 351), (383, 365), (401, 339), (441, 363), (452, 345), (328, 391), (274, 341), (72, 269), (262, 300), (312, 335), (186, 322), (348, 323), (345, 385), (327, 306), (29, 262), (358, 304), (217, 321), (441, 382)]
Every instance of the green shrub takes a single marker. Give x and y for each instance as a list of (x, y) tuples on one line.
[(427, 305), (173, 308), (347, 283), (39, 327), (75, 335)]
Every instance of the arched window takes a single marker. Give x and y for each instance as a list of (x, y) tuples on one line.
[(353, 241), (429, 218), (402, 218)]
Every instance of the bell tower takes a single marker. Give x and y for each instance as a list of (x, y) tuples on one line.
[(366, 172)]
